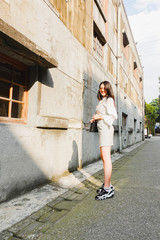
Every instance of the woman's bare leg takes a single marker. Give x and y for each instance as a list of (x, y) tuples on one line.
[(107, 165)]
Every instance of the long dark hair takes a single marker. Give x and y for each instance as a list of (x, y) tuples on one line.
[(108, 88)]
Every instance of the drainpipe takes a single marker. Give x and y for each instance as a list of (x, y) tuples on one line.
[(143, 107), (118, 3)]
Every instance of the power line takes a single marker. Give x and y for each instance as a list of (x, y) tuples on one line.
[(146, 36), (148, 45), (128, 2), (143, 40), (147, 55), (148, 49), (151, 41)]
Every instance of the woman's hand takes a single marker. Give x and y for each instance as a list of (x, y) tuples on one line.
[(92, 120), (96, 117)]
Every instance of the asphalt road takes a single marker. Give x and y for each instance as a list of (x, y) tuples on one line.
[(133, 213)]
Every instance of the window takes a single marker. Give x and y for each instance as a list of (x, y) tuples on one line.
[(140, 83), (140, 126), (135, 70), (97, 46), (124, 121), (125, 45), (135, 125), (125, 40), (13, 89), (98, 41)]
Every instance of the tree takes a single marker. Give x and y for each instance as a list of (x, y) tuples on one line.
[(150, 117), (156, 103)]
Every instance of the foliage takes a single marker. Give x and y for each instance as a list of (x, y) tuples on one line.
[(156, 103), (150, 116)]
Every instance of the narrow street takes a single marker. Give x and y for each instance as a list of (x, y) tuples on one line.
[(133, 213)]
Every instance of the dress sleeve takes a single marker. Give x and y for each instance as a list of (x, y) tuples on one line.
[(111, 114)]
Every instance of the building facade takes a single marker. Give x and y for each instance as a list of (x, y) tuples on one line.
[(53, 55)]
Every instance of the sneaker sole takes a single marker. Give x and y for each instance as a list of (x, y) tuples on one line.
[(100, 189), (106, 196)]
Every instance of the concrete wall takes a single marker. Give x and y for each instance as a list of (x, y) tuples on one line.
[(61, 100), (131, 89)]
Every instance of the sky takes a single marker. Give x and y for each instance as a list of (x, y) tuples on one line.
[(144, 19)]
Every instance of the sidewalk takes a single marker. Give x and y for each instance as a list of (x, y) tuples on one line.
[(46, 205), (19, 208)]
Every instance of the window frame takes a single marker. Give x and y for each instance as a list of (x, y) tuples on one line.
[(140, 83), (135, 68), (16, 65), (98, 42), (125, 45), (135, 124), (124, 121), (98, 47)]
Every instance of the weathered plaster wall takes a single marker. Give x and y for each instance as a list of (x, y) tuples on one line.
[(77, 16), (61, 100), (36, 151)]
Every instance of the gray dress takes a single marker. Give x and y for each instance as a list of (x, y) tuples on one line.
[(106, 109)]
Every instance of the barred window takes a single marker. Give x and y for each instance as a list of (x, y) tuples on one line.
[(97, 45), (13, 89), (125, 45)]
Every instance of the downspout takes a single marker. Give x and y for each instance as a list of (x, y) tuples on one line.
[(143, 109), (118, 3)]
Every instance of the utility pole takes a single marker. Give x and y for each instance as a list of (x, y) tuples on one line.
[(143, 111)]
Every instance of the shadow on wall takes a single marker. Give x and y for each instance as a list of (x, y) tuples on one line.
[(74, 164), (18, 171), (40, 74), (90, 141)]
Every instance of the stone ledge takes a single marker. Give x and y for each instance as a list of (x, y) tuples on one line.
[(130, 130), (76, 124), (51, 122)]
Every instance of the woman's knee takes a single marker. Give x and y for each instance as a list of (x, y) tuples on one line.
[(103, 157)]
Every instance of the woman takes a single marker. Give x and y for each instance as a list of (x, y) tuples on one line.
[(105, 115)]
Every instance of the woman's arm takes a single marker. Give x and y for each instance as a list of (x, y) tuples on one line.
[(111, 112), (96, 117)]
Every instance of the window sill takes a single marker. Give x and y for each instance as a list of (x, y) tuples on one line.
[(6, 120)]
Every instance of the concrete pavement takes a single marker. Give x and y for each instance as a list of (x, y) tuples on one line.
[(134, 212)]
